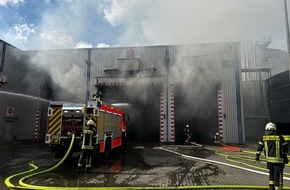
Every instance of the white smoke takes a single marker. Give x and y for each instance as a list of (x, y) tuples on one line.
[(197, 21), (67, 76)]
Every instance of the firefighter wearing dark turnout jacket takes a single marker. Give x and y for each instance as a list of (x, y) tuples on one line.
[(275, 150), (87, 145)]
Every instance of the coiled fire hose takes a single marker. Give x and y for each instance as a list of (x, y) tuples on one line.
[(28, 186)]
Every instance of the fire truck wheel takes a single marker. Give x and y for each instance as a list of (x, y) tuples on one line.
[(96, 152), (107, 148)]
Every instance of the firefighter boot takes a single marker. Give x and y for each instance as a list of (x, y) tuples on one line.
[(80, 166), (88, 170), (79, 169)]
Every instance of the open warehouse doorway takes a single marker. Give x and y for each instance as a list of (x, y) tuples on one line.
[(196, 105), (142, 103)]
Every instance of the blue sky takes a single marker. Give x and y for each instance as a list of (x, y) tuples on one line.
[(53, 24)]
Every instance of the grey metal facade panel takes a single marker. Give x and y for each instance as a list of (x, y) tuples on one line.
[(255, 109), (154, 57), (231, 85), (14, 70), (211, 54), (150, 57), (230, 109), (25, 114), (228, 56)]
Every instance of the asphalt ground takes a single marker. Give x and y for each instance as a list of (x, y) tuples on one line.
[(143, 165)]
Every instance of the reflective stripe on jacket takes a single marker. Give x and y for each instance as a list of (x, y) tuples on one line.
[(87, 139), (275, 148)]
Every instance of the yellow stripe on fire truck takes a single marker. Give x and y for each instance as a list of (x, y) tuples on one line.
[(54, 125)]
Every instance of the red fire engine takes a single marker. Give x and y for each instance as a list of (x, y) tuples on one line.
[(66, 118)]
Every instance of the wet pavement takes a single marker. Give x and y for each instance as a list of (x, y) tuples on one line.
[(140, 165)]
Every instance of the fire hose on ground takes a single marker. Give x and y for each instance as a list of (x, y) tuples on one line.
[(33, 172)]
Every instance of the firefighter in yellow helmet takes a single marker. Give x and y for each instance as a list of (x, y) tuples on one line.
[(275, 150), (87, 145)]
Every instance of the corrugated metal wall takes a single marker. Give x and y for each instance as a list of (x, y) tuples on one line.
[(104, 58), (231, 87), (278, 94), (15, 68), (255, 109)]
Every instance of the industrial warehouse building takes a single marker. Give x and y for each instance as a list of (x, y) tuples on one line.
[(217, 87)]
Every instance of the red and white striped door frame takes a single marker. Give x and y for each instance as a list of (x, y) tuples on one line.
[(37, 119), (162, 118), (172, 126), (220, 112), (167, 127)]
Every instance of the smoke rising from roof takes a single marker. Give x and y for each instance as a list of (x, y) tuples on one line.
[(198, 21), (66, 74)]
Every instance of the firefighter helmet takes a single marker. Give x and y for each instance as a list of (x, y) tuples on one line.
[(270, 127), (187, 126), (90, 122)]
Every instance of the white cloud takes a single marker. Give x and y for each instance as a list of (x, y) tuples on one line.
[(83, 44), (10, 2), (102, 45), (22, 31), (55, 39), (64, 25), (117, 11)]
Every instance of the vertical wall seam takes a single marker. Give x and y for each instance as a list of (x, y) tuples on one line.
[(3, 57), (238, 100), (88, 62)]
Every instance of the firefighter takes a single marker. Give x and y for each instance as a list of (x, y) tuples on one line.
[(87, 145), (97, 97), (187, 133), (217, 138), (275, 150)]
